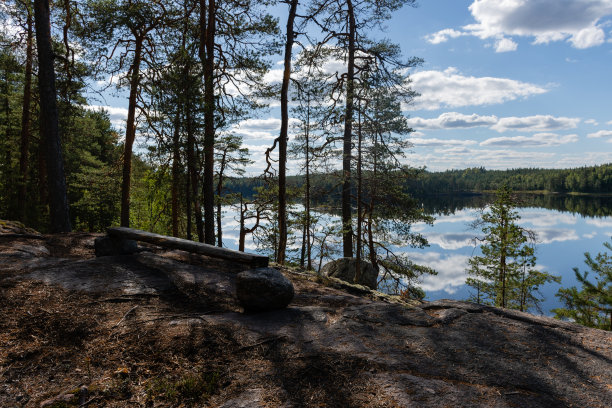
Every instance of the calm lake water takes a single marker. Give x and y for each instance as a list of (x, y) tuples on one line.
[(566, 228)]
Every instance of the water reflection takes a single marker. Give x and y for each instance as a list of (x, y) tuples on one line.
[(566, 227), (592, 206)]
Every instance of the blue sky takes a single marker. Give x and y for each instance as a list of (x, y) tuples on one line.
[(510, 83), (505, 84)]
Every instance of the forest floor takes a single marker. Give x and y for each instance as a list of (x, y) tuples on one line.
[(122, 331)]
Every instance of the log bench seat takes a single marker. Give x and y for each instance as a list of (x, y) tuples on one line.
[(121, 240)]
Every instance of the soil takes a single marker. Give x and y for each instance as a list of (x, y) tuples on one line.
[(163, 328)]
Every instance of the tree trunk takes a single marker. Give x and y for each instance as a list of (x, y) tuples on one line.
[(176, 170), (347, 228), (207, 33), (58, 201), (242, 237), (130, 134), (219, 191), (192, 155), (282, 141), (25, 124), (359, 215), (188, 204)]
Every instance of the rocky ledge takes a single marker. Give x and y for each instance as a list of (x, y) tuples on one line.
[(165, 328)]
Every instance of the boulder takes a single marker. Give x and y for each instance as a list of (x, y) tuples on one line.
[(263, 289), (107, 246), (344, 269)]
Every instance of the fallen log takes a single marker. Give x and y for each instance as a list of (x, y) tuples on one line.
[(254, 261)]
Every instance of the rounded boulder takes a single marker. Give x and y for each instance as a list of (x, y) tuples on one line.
[(263, 289), (344, 269)]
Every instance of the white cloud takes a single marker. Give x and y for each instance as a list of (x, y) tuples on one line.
[(591, 122), (588, 37), (443, 36), (600, 133), (260, 129), (609, 123), (550, 235), (505, 45), (451, 89), (451, 241), (536, 123), (546, 218), (450, 268), (579, 22), (461, 158), (117, 115), (425, 142), (600, 222), (537, 140), (452, 120)]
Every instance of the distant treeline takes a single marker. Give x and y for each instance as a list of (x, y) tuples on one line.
[(587, 180), (590, 180)]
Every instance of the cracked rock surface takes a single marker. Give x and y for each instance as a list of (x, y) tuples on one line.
[(122, 324)]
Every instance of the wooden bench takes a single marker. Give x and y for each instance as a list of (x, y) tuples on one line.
[(254, 261)]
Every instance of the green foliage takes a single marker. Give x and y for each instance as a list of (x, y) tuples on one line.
[(504, 275), (592, 304)]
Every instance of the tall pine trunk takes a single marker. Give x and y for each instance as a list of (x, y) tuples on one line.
[(282, 142), (219, 191), (25, 123), (207, 56), (176, 171), (192, 158), (347, 228), (130, 133), (359, 215), (58, 201)]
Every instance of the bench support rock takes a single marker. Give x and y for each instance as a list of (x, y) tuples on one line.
[(109, 246)]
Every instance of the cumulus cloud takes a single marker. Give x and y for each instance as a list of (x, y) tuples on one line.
[(600, 222), (443, 36), (442, 159), (550, 235), (452, 120), (117, 115), (578, 22), (451, 241), (433, 142), (451, 89), (451, 270), (591, 122), (589, 37), (536, 140), (260, 129), (547, 218), (600, 133), (505, 45), (536, 123)]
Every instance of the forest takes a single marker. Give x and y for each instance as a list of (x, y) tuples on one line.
[(190, 72)]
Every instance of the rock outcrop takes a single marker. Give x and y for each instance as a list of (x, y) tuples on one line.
[(345, 268), (168, 322)]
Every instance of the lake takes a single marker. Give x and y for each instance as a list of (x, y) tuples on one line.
[(566, 228)]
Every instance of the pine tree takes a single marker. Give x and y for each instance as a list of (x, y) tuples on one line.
[(592, 305), (504, 274)]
